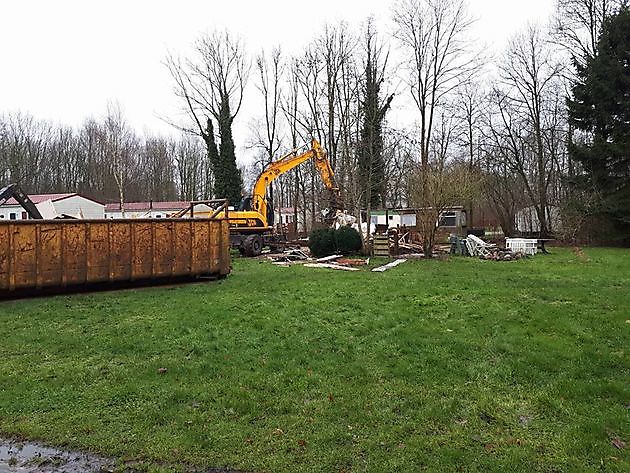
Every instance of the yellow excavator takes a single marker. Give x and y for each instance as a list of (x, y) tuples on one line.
[(251, 225)]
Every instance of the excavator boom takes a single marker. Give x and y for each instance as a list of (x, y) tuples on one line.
[(13, 190), (249, 225), (285, 164)]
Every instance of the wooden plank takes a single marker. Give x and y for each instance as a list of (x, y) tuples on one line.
[(387, 266), (330, 266), (328, 258)]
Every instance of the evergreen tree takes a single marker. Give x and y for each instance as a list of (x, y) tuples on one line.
[(601, 111), (370, 149), (213, 153), (227, 176)]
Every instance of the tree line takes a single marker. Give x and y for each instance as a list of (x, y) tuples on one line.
[(491, 133), (100, 159)]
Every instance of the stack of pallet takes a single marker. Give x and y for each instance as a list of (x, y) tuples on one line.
[(380, 245)]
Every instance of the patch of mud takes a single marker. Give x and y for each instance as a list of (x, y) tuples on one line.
[(30, 457)]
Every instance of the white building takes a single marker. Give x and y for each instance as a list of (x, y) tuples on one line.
[(55, 206), (527, 222), (286, 216), (452, 217)]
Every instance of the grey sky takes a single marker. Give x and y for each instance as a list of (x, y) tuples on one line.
[(62, 60)]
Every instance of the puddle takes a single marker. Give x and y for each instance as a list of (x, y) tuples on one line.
[(30, 457)]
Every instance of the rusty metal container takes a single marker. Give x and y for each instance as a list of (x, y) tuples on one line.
[(76, 254)]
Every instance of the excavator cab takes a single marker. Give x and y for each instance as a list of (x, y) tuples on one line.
[(246, 204)]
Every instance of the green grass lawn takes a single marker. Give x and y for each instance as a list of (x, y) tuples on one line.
[(455, 365)]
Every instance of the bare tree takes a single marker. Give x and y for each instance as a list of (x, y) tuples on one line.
[(433, 34), (190, 166), (468, 108), (26, 146), (335, 47), (289, 107), (577, 25), (399, 151), (529, 71), (157, 165), (266, 131), (441, 184), (370, 159), (270, 72), (120, 146), (576, 28), (211, 86)]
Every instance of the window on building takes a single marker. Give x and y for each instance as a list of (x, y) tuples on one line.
[(13, 216), (24, 216), (158, 216), (448, 219)]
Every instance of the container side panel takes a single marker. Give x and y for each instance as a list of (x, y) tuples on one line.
[(75, 253), (5, 255), (215, 233), (183, 248), (200, 260), (25, 256), (98, 252), (162, 252), (120, 265), (49, 264), (142, 251), (226, 260)]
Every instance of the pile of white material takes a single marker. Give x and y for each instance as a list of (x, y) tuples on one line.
[(49, 212), (343, 219), (477, 247)]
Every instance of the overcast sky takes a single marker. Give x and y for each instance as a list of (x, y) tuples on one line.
[(62, 60)]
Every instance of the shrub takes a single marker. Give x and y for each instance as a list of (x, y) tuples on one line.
[(348, 240), (322, 242), (327, 241)]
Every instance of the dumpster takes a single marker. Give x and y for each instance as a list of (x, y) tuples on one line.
[(68, 255)]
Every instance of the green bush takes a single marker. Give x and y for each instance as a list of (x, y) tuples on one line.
[(322, 242), (348, 241), (327, 241)]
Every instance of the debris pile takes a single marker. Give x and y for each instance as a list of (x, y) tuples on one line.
[(339, 262), (498, 254), (490, 251), (331, 266), (408, 243), (289, 256), (302, 256)]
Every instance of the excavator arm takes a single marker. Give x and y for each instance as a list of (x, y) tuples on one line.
[(285, 164), (13, 190)]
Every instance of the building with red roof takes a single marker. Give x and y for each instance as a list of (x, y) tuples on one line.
[(54, 206)]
